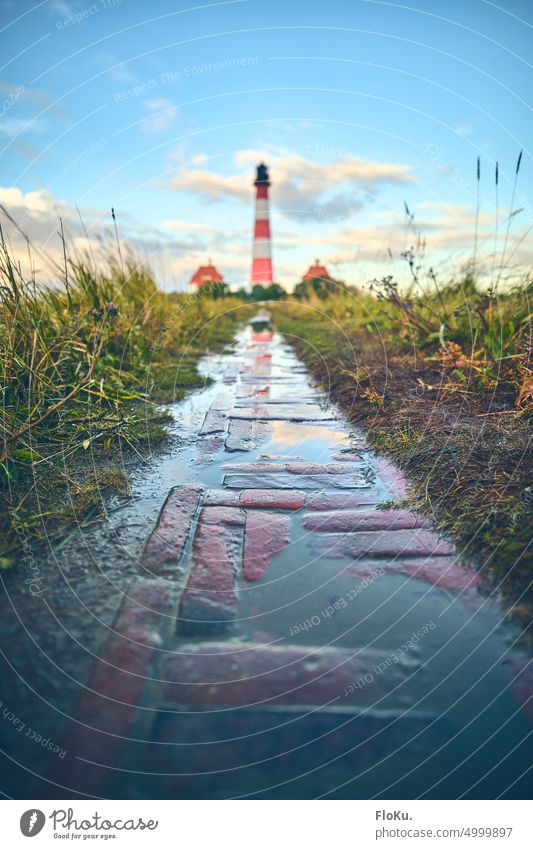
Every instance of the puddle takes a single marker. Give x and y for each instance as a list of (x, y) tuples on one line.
[(449, 647)]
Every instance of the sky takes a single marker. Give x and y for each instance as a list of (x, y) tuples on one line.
[(361, 109)]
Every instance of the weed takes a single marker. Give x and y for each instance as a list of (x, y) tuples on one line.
[(82, 363)]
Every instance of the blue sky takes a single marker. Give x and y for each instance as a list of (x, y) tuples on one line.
[(162, 110)]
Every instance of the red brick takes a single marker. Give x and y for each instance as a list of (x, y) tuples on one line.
[(249, 468), (365, 520), (409, 543), (250, 401), (240, 435), (207, 446), (254, 750), (214, 422), (223, 401), (293, 468), (283, 457), (264, 380), (253, 391), (296, 413), (266, 534), (106, 711), (392, 477), (338, 500), (283, 481), (247, 674), (166, 542), (325, 468), (438, 571), (209, 602), (280, 499), (245, 434), (231, 373)]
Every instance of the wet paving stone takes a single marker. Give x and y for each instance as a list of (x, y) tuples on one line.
[(266, 534), (294, 468), (221, 498), (286, 481), (165, 545), (244, 674), (249, 402), (522, 685), (289, 754), (208, 446), (368, 520), (214, 422), (349, 455), (222, 401), (438, 571), (405, 543), (296, 413), (338, 500), (231, 372), (278, 664), (244, 435), (280, 499), (107, 709), (209, 602), (267, 380)]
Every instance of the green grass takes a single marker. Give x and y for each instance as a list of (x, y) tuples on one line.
[(83, 363)]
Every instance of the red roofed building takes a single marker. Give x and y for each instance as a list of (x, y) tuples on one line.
[(205, 274), (317, 270)]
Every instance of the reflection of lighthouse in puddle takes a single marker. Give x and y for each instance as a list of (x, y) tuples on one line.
[(261, 335), (261, 331)]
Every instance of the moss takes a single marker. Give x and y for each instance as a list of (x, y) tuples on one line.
[(153, 434), (172, 379), (94, 491)]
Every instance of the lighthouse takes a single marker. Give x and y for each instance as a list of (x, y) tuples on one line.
[(262, 257)]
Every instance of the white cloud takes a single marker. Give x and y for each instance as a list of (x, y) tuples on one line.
[(301, 189), (212, 187), (60, 7), (173, 259), (162, 113), (31, 202), (115, 69), (12, 127), (188, 226)]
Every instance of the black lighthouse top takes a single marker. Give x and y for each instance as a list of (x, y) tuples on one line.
[(262, 176)]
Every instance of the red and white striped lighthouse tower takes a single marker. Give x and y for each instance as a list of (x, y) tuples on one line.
[(262, 258)]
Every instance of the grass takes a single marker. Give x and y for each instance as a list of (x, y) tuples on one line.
[(441, 376), (83, 363)]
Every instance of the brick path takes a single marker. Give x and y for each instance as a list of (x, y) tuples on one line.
[(264, 649)]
